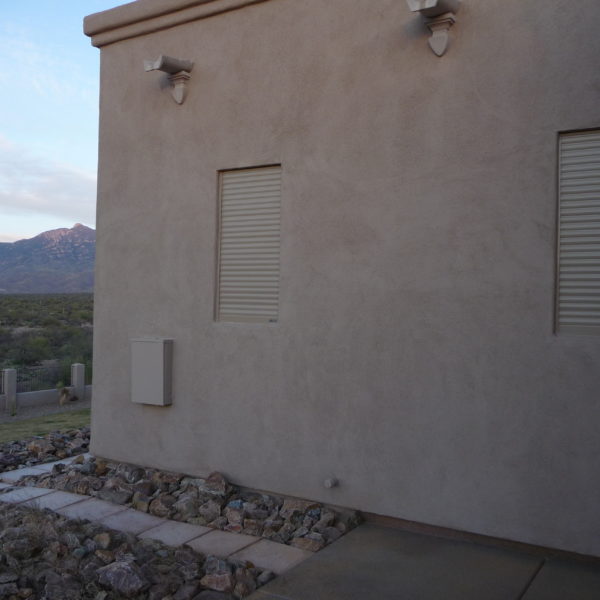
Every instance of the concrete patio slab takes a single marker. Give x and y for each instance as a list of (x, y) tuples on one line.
[(565, 580), (91, 509), (55, 500), (270, 555), (221, 543), (132, 521), (23, 494), (388, 564), (175, 533)]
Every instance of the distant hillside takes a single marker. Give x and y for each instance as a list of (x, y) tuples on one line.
[(57, 261)]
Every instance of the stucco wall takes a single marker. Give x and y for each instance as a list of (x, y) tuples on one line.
[(414, 358)]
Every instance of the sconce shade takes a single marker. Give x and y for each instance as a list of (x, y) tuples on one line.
[(434, 8), (168, 64)]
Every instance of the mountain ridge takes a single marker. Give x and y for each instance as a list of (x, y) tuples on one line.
[(52, 262)]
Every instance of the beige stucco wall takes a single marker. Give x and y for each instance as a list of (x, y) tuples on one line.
[(415, 358)]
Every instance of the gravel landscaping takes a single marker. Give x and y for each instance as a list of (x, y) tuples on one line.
[(44, 555), (48, 556), (212, 502), (43, 449)]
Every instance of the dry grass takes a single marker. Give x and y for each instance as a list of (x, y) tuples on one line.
[(20, 430)]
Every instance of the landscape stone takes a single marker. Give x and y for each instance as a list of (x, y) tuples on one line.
[(216, 484), (159, 591), (106, 556), (265, 577), (6, 589), (131, 473), (140, 502), (63, 588), (293, 506), (214, 564), (219, 582), (162, 506), (234, 515), (331, 534), (210, 511), (103, 540), (163, 480), (186, 507), (39, 446), (252, 527), (101, 467), (245, 583), (124, 578), (144, 487), (212, 595), (187, 591), (305, 543)]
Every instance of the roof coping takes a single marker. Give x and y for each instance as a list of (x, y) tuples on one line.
[(145, 16)]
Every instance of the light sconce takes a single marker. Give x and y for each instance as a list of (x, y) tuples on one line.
[(440, 14), (178, 72)]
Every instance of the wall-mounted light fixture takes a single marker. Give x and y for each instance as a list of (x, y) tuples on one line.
[(440, 15), (178, 72)]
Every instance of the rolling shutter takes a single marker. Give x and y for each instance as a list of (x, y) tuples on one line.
[(249, 244), (579, 233)]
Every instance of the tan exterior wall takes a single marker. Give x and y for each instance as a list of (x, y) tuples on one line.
[(414, 358)]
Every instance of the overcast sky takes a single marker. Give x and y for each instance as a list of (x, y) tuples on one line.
[(48, 116)]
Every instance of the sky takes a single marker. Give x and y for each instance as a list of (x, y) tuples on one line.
[(49, 75)]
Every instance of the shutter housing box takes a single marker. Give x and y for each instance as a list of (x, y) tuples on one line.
[(578, 294), (249, 245)]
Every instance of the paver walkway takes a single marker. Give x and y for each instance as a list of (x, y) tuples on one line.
[(373, 562), (261, 552)]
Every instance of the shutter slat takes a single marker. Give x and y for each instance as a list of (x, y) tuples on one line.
[(249, 245), (579, 232)]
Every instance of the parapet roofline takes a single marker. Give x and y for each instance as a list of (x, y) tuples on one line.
[(145, 16)]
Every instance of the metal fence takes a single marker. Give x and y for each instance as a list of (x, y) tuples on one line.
[(34, 379)]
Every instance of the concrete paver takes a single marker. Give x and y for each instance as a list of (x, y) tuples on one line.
[(175, 533), (270, 555), (18, 495), (132, 521), (47, 467), (388, 564), (91, 509), (55, 500), (11, 476), (221, 543), (15, 475), (565, 580)]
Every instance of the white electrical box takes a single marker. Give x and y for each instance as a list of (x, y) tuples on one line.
[(151, 368)]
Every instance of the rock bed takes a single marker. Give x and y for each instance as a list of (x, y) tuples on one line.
[(212, 502), (38, 450), (45, 555)]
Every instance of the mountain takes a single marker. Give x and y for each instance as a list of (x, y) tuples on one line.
[(53, 262)]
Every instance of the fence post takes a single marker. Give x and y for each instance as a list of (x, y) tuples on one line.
[(78, 380), (9, 383)]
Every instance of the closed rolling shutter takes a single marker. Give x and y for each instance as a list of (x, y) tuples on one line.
[(249, 243), (579, 233)]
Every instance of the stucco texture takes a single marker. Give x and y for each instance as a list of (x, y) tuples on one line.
[(415, 358)]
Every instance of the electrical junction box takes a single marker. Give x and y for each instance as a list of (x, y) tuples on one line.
[(151, 369)]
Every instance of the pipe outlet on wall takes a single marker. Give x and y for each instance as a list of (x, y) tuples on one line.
[(331, 482)]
